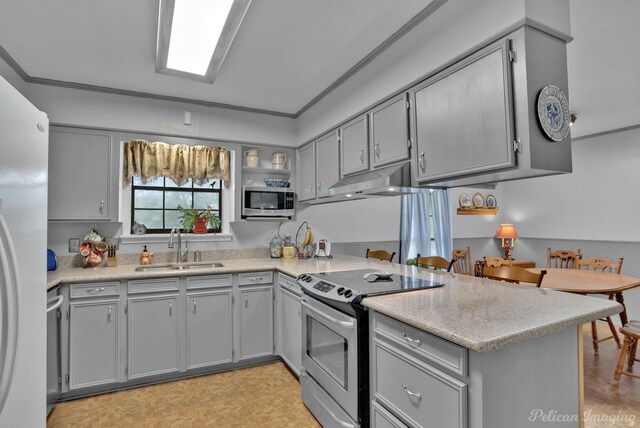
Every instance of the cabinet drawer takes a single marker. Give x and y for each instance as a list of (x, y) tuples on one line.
[(435, 351), (381, 418), (95, 289), (152, 285), (250, 278), (289, 283), (417, 393), (209, 281)]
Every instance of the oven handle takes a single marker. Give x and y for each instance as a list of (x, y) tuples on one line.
[(346, 324)]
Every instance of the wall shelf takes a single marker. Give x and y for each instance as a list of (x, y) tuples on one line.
[(271, 171), (478, 211)]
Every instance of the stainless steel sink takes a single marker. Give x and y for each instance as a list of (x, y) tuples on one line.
[(179, 266)]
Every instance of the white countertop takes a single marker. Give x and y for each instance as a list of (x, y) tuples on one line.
[(479, 314)]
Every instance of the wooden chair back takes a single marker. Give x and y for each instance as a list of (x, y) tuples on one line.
[(435, 263), (513, 274), (602, 264), (462, 261), (380, 255), (496, 262), (563, 259)]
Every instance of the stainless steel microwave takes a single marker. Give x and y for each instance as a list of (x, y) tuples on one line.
[(267, 202)]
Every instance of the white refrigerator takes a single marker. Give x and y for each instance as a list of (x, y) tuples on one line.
[(24, 141)]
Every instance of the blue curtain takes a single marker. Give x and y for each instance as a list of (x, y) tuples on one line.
[(415, 230)]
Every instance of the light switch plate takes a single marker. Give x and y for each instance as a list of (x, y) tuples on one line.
[(74, 245)]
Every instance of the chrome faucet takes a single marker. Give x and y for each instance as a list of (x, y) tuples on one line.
[(181, 254)]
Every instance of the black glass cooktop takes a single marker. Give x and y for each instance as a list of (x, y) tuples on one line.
[(354, 279)]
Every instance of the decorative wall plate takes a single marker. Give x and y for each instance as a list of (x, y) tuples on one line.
[(491, 201), (478, 200), (553, 112), (465, 201)]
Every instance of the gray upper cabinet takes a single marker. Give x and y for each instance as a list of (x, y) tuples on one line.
[(153, 335), (354, 145), (83, 175), (463, 117), (94, 345), (327, 167), (307, 172), (390, 131), (256, 321)]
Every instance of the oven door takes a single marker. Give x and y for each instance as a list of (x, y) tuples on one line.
[(330, 352)]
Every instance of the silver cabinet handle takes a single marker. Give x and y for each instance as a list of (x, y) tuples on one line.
[(408, 339), (194, 306), (170, 307), (109, 315), (421, 162), (255, 278), (310, 189), (299, 314), (319, 185), (412, 394), (246, 300), (362, 155), (95, 290), (101, 207), (377, 149)]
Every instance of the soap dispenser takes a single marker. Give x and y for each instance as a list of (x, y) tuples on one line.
[(146, 258)]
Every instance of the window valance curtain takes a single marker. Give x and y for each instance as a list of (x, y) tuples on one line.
[(178, 162)]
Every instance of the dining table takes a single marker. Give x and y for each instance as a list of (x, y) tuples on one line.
[(580, 281)]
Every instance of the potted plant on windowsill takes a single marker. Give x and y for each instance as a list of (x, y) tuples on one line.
[(198, 220)]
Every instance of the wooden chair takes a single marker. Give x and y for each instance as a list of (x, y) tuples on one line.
[(380, 255), (435, 263), (563, 259), (462, 261), (602, 264), (496, 262), (631, 333), (513, 274)]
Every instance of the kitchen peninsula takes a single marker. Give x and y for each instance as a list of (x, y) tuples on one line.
[(500, 350)]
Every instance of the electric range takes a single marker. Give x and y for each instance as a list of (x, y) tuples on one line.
[(335, 340)]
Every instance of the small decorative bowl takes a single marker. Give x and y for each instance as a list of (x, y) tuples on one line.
[(276, 182)]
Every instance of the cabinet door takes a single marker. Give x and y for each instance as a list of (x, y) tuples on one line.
[(256, 322), (354, 146), (153, 335), (291, 323), (209, 332), (463, 119), (93, 343), (390, 131), (82, 181), (307, 172), (327, 170)]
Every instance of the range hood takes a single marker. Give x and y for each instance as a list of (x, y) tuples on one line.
[(388, 181)]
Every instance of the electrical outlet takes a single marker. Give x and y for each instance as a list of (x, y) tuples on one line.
[(74, 245)]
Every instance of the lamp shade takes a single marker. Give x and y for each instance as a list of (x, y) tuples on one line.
[(506, 230)]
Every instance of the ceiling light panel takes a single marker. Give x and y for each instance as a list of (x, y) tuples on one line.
[(194, 36)]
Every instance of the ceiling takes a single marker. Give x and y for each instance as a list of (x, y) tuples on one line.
[(288, 53)]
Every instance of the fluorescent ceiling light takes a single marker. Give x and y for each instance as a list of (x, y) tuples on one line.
[(195, 31), (194, 36)]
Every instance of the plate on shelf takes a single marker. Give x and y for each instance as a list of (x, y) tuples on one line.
[(478, 200), (465, 201), (491, 201)]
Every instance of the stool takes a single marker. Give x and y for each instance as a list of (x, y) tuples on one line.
[(631, 333)]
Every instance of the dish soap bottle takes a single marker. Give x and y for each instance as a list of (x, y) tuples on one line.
[(146, 257)]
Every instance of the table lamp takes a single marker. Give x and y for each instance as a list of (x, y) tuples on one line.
[(507, 232)]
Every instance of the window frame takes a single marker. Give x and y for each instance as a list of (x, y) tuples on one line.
[(193, 190)]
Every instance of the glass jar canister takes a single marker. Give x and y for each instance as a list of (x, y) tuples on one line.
[(275, 245)]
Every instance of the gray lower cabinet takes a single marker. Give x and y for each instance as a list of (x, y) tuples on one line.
[(83, 175), (94, 342), (256, 321), (153, 345), (390, 131), (209, 328), (290, 323)]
